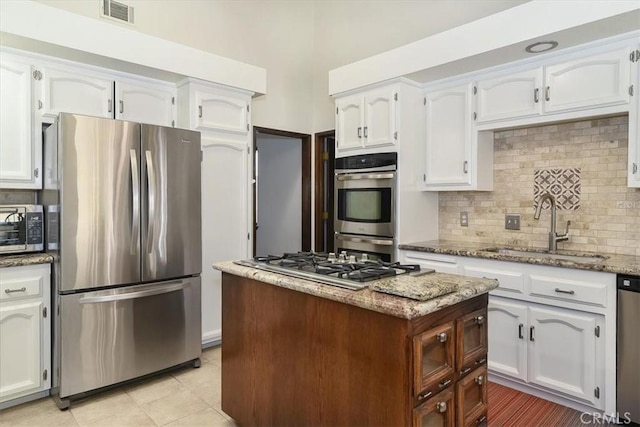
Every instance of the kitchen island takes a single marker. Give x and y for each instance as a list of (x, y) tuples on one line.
[(296, 352)]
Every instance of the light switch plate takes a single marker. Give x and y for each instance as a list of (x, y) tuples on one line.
[(464, 219), (512, 222)]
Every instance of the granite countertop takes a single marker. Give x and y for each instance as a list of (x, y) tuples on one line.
[(467, 288), (612, 263), (25, 259)]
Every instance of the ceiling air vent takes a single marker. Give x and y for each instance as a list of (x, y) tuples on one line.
[(116, 10)]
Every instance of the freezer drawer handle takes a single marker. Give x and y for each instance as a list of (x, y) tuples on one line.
[(151, 217), (163, 289), (135, 209)]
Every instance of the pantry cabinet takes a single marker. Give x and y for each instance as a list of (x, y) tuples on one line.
[(20, 144), (367, 120), (25, 331)]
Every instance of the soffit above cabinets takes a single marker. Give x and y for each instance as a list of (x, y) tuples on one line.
[(496, 39), (39, 28)]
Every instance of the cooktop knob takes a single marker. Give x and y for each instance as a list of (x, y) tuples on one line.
[(332, 257), (352, 259), (364, 258)]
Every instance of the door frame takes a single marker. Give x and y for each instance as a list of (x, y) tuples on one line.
[(306, 181), (320, 188)]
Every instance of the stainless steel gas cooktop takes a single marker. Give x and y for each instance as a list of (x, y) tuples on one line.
[(344, 271)]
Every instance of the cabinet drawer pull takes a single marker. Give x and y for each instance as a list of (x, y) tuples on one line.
[(562, 291), (464, 371), (444, 383), (479, 379), (531, 336), (479, 320), (547, 93), (441, 406), (536, 95), (481, 419), (423, 396), (442, 337), (480, 361), (520, 327), (10, 291)]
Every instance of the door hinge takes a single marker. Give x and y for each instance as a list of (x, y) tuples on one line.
[(201, 156), (247, 108), (597, 331), (173, 123), (475, 115), (336, 110), (635, 56), (44, 312), (395, 135), (248, 236), (395, 96), (424, 101), (39, 105), (634, 168), (36, 172), (424, 177), (45, 374), (247, 126), (631, 90), (173, 100), (475, 90), (249, 149), (596, 392), (325, 215), (37, 75), (325, 155)]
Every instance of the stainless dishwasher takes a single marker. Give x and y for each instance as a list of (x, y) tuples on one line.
[(628, 369)]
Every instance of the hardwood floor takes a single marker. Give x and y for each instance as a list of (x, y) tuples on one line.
[(508, 407)]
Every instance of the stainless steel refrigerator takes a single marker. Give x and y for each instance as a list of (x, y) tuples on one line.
[(122, 204)]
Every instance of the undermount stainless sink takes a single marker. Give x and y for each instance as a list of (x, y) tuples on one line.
[(588, 258)]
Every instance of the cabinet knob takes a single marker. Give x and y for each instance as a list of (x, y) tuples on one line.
[(479, 379), (442, 337), (479, 320), (441, 406)]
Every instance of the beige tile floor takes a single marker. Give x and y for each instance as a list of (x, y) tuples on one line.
[(185, 397)]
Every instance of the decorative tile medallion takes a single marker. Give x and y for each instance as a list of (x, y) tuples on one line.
[(562, 184)]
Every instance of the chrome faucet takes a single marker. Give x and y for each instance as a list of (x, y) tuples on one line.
[(554, 237)]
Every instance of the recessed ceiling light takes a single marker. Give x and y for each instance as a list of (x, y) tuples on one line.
[(541, 47)]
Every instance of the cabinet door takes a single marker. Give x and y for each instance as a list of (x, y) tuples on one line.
[(471, 340), (21, 331), (221, 112), (380, 118), (448, 136), (435, 412), (20, 148), (511, 96), (507, 353), (563, 351), (225, 208), (145, 104), (69, 91), (634, 126), (598, 80), (471, 398), (433, 352), (349, 122)]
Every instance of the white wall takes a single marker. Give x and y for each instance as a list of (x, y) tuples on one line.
[(279, 195)]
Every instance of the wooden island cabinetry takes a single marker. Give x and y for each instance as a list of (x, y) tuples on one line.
[(293, 357)]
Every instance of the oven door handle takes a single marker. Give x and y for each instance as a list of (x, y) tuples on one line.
[(382, 242), (347, 177)]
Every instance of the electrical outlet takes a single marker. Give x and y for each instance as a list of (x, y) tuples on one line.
[(512, 222), (464, 219)]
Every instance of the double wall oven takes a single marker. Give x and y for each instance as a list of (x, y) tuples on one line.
[(364, 194)]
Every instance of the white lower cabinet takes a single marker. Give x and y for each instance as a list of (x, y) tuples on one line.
[(551, 347), (25, 331)]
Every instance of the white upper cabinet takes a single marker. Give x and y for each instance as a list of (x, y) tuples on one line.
[(20, 146), (595, 81), (146, 103), (221, 112), (72, 90), (368, 119), (349, 118), (634, 123), (448, 136), (511, 96)]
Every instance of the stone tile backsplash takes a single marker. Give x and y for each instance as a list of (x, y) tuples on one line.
[(585, 162)]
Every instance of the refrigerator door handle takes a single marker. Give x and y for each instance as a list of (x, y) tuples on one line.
[(164, 289), (152, 200), (135, 210)]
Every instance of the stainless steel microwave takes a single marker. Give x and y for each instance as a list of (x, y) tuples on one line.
[(21, 228), (365, 195)]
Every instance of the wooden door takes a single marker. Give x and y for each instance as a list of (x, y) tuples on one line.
[(435, 412), (471, 340), (433, 360), (471, 398)]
